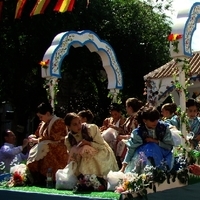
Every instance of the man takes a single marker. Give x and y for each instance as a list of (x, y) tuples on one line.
[(11, 155)]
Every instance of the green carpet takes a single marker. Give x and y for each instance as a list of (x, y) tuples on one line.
[(106, 194)]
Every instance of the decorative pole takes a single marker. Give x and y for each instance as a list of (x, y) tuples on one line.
[(182, 97), (176, 47)]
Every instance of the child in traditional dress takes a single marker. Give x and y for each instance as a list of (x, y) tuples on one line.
[(111, 125), (152, 139), (194, 121), (86, 116), (168, 112), (87, 148), (132, 106)]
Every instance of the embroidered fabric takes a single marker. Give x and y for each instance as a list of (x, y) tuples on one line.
[(86, 151), (39, 151)]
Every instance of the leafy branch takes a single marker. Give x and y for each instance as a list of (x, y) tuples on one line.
[(115, 97)]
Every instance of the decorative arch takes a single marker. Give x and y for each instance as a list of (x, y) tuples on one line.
[(60, 48), (185, 24), (190, 27), (180, 49)]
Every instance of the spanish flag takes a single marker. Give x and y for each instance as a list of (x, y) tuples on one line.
[(64, 5), (40, 7), (19, 8), (1, 8)]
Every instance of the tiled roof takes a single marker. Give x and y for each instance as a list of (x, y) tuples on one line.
[(169, 69)]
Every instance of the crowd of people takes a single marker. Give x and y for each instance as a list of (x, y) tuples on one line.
[(116, 145)]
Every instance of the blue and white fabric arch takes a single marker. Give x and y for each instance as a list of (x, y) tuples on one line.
[(60, 48), (185, 25)]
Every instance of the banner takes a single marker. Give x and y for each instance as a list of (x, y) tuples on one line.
[(19, 8), (62, 5), (71, 5), (40, 7)]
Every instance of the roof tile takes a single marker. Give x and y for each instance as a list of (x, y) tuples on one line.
[(170, 69)]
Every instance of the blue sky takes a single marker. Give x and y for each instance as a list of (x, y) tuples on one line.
[(180, 4)]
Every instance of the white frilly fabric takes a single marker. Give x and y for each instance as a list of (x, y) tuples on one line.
[(176, 135)]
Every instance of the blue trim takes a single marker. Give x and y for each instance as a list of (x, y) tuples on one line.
[(196, 20), (195, 78), (170, 89), (82, 44)]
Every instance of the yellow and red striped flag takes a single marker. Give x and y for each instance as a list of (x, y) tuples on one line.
[(63, 5), (39, 7), (19, 8), (1, 8)]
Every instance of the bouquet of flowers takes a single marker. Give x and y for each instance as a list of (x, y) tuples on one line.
[(90, 183), (19, 175), (135, 183)]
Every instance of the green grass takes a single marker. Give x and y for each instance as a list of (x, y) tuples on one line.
[(106, 194)]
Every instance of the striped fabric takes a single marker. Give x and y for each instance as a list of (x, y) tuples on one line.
[(64, 5), (1, 8), (19, 8), (71, 5), (40, 7)]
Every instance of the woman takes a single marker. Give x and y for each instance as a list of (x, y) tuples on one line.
[(86, 116), (132, 106), (111, 125), (49, 150), (87, 148), (192, 109), (168, 112), (151, 140)]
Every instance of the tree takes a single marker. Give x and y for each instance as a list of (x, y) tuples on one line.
[(136, 30)]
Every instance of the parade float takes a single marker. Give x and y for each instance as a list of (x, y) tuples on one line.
[(151, 183)]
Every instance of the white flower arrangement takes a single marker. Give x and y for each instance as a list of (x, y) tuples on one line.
[(90, 182)]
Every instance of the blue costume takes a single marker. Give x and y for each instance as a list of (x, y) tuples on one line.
[(194, 125), (174, 121), (137, 145)]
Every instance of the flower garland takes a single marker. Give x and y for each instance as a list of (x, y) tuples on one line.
[(174, 39), (136, 184), (49, 85), (115, 97)]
